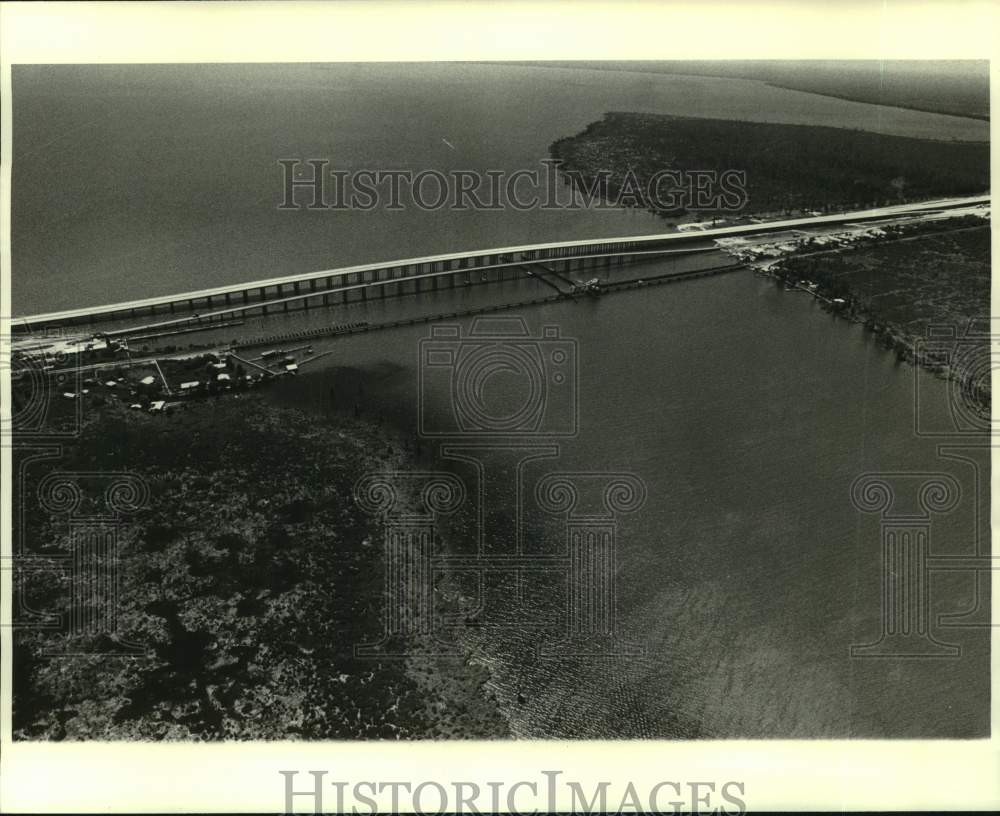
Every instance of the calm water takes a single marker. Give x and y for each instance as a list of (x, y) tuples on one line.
[(132, 181), (746, 410)]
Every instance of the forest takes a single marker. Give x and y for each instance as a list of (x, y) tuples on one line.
[(788, 168)]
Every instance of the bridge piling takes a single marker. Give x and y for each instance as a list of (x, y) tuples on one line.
[(396, 279)]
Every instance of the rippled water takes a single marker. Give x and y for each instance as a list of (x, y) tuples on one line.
[(748, 412)]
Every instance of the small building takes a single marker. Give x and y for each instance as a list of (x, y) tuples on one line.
[(218, 366), (291, 368), (69, 395), (135, 406), (157, 406), (111, 384), (148, 381), (222, 377), (190, 386)]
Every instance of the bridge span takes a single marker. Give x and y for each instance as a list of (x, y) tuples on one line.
[(413, 275)]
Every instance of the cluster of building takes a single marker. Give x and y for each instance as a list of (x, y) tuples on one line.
[(154, 393), (762, 254)]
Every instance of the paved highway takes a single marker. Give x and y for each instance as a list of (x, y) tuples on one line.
[(630, 245)]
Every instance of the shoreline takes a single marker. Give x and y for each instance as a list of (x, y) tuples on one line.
[(618, 157), (457, 684), (847, 302)]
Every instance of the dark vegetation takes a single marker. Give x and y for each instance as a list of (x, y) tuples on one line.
[(788, 167), (247, 580), (901, 288)]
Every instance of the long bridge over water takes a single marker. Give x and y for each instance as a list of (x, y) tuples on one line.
[(550, 262)]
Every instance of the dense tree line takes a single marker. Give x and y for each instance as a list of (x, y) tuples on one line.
[(788, 167)]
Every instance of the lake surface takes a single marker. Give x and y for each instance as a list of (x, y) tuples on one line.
[(133, 181), (746, 410)]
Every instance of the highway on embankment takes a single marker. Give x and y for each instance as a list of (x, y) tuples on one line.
[(580, 255)]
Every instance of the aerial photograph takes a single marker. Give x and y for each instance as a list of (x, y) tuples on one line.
[(579, 400)]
